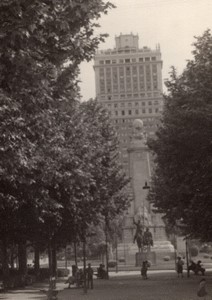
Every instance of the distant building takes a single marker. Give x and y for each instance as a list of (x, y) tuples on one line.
[(129, 84)]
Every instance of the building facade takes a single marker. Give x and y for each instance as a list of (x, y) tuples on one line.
[(129, 85)]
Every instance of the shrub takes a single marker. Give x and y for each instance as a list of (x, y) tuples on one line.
[(112, 264), (194, 251), (121, 259), (166, 258)]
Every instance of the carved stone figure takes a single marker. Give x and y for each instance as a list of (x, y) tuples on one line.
[(138, 130)]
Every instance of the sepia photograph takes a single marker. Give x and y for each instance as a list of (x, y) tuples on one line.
[(106, 149)]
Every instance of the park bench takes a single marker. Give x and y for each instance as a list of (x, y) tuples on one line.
[(77, 282), (196, 268)]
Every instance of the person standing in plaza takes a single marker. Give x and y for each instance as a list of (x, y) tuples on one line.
[(144, 269), (89, 276), (179, 267)]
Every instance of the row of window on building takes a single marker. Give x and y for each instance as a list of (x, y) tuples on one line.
[(133, 104), (146, 120), (127, 60), (123, 71), (131, 78), (132, 112), (129, 96), (128, 87)]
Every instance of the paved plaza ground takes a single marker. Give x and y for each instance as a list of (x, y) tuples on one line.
[(159, 286)]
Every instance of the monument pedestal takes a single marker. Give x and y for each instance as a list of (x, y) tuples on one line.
[(139, 164), (142, 256)]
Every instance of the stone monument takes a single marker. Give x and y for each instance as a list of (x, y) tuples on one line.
[(140, 174)]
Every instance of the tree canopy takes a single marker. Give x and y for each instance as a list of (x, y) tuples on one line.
[(181, 187), (58, 158)]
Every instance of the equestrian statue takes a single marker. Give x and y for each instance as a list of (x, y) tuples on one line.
[(144, 239)]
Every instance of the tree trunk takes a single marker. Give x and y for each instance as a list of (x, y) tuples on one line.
[(66, 260), (5, 267), (22, 258), (37, 260), (12, 257), (106, 241), (75, 253), (50, 258), (54, 259), (84, 266)]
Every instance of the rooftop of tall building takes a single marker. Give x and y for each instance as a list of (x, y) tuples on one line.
[(127, 43)]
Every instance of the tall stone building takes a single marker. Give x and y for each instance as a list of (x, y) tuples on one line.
[(129, 84)]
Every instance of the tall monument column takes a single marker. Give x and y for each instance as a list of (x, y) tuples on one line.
[(139, 172)]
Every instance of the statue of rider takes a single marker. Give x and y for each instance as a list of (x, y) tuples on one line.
[(148, 239), (139, 229)]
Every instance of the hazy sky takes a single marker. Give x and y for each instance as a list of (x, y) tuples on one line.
[(171, 23)]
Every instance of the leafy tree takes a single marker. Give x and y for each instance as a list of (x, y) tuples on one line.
[(82, 197), (42, 45), (110, 179), (181, 186)]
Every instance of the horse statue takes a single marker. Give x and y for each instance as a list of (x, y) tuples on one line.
[(147, 240), (144, 240), (139, 241)]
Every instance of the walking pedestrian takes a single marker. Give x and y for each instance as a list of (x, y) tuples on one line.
[(89, 275), (144, 269), (179, 267)]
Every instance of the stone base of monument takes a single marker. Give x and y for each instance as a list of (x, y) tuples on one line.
[(142, 256)]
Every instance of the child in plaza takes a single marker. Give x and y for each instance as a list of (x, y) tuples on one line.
[(179, 267), (144, 269)]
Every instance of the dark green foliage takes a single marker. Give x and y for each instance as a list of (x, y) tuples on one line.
[(194, 251), (89, 187), (183, 174), (58, 158)]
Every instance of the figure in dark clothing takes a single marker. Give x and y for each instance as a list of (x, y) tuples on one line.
[(72, 279), (101, 272), (201, 293), (89, 276), (179, 267), (196, 267), (199, 268), (148, 240), (144, 269)]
